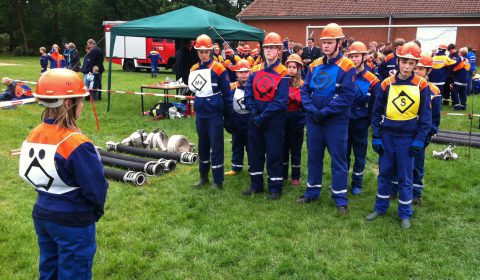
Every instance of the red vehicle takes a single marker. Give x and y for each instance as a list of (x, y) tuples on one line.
[(132, 52)]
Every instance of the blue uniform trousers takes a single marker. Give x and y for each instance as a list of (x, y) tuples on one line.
[(266, 140), (154, 67), (292, 148), (210, 145), (396, 157), (334, 138), (239, 139), (418, 173), (358, 142), (65, 252), (459, 96)]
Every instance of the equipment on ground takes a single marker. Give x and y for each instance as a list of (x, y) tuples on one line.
[(136, 178), (447, 153), (185, 157), (167, 164), (151, 168)]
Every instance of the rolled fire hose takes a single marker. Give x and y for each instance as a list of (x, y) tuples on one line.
[(462, 142), (157, 139), (167, 164), (136, 178), (185, 158), (136, 139), (151, 168), (179, 144)]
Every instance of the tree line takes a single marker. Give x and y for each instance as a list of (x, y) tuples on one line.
[(26, 25)]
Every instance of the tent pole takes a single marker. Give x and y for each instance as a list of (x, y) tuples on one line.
[(112, 45)]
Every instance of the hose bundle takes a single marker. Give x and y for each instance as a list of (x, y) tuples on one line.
[(151, 168), (185, 157), (136, 178), (167, 164), (179, 143)]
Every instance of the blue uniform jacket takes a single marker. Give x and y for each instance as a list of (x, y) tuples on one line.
[(222, 103), (389, 64), (295, 113), (417, 128), (324, 96), (154, 57), (367, 86), (78, 165), (44, 62), (472, 58), (440, 69), (461, 70), (436, 98), (265, 110), (239, 121)]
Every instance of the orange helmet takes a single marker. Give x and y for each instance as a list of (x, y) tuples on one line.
[(59, 83), (426, 61), (254, 51), (246, 48), (272, 39), (229, 52), (203, 42), (294, 58), (357, 47), (240, 49), (332, 31), (410, 50), (443, 46), (243, 65)]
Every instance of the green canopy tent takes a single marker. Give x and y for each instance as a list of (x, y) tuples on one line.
[(185, 23)]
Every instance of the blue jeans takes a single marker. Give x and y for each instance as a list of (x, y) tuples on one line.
[(65, 252)]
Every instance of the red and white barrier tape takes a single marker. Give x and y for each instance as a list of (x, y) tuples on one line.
[(17, 102)]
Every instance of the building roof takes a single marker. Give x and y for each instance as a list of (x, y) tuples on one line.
[(275, 9)]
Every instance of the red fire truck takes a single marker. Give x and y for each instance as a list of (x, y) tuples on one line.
[(132, 52)]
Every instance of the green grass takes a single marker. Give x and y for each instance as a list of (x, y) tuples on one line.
[(166, 230)]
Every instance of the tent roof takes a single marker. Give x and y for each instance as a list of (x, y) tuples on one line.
[(188, 23)]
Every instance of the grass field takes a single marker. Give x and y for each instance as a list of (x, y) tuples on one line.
[(166, 230)]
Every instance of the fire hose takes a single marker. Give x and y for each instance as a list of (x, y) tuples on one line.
[(459, 133), (179, 143), (136, 178), (167, 164), (151, 168), (157, 139), (185, 157), (457, 141)]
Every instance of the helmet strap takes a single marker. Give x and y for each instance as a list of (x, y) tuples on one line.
[(55, 104)]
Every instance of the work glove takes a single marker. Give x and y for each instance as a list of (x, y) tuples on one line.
[(416, 147), (377, 146), (257, 122), (318, 117)]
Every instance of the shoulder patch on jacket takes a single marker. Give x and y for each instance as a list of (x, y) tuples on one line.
[(388, 57), (316, 62), (281, 70), (420, 82), (434, 89), (388, 81), (218, 68), (234, 85), (345, 64), (194, 67), (257, 67), (371, 78), (69, 145)]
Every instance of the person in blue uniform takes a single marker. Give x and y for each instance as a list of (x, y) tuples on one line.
[(55, 58), (439, 74), (423, 69), (367, 86), (154, 56), (389, 66), (295, 121), (43, 60), (213, 106), (62, 165), (327, 95), (266, 96), (461, 74), (401, 122), (240, 118)]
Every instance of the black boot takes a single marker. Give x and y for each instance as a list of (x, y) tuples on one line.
[(202, 182), (216, 186)]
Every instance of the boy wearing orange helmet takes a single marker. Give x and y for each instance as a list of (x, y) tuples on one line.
[(402, 120), (62, 165), (230, 63), (327, 94), (213, 106), (266, 96), (389, 67), (240, 117), (367, 86), (295, 120)]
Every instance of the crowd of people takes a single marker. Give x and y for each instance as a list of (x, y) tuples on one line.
[(337, 91), (266, 98)]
